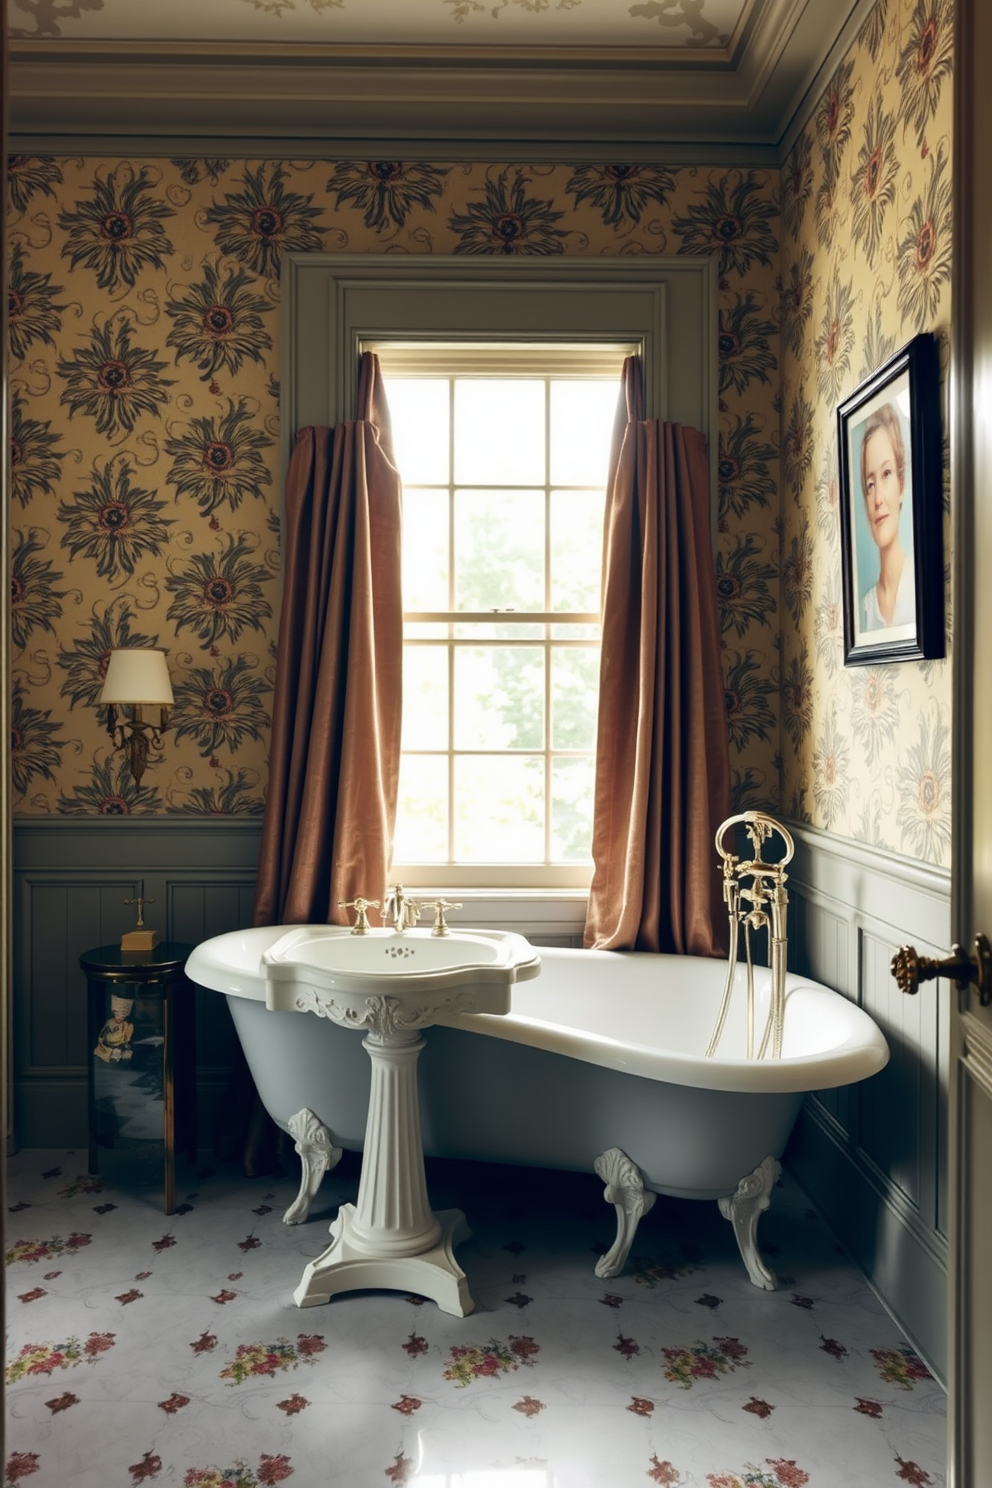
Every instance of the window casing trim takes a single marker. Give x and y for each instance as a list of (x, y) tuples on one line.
[(667, 308)]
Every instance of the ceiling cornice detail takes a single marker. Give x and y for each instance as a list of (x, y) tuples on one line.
[(233, 53), (242, 98)]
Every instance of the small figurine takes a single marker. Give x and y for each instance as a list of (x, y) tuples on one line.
[(114, 1042)]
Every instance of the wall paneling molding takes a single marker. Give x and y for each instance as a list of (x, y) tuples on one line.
[(71, 877), (873, 1156)]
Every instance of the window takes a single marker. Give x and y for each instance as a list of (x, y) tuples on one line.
[(336, 304), (504, 453)]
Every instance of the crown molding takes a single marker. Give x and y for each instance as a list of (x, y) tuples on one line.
[(334, 101), (340, 54), (410, 147), (242, 98)]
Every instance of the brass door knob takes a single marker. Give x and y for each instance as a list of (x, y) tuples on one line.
[(910, 969)]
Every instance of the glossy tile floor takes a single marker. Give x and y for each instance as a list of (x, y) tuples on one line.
[(167, 1350)]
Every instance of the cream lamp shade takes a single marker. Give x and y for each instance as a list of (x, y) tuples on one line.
[(137, 676)]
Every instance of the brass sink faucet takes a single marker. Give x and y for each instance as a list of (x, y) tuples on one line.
[(401, 909)]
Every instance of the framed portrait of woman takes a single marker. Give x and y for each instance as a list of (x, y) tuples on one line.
[(891, 512)]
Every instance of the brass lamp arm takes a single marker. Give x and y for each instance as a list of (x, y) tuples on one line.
[(137, 736)]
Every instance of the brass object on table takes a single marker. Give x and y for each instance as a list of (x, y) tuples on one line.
[(141, 938)]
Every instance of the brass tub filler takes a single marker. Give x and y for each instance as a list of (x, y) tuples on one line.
[(756, 899)]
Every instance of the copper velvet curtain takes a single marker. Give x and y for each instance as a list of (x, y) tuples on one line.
[(663, 764), (334, 763)]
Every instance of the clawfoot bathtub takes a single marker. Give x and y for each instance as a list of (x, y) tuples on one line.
[(600, 1064)]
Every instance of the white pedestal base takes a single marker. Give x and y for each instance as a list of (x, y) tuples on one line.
[(347, 1265), (391, 1238)]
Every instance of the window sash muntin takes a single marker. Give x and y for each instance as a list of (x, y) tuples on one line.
[(457, 621), (549, 752)]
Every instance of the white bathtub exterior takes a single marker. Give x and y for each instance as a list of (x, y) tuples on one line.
[(603, 1049)]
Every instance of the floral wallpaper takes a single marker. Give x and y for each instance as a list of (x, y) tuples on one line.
[(144, 338), (144, 335), (866, 265)]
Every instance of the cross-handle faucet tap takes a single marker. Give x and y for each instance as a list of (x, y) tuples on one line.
[(439, 906), (361, 907), (401, 909)]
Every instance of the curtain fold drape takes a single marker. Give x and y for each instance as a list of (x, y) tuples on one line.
[(663, 761), (334, 760)]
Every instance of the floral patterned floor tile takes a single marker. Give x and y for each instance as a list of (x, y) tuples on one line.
[(168, 1350)]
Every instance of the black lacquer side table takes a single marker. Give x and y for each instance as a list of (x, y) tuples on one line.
[(140, 1035)]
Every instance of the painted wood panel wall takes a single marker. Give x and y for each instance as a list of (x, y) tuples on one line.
[(872, 1156), (70, 881)]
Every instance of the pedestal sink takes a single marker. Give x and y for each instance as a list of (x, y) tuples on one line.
[(393, 984)]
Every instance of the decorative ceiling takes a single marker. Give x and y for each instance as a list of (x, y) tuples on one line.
[(682, 79), (713, 24)]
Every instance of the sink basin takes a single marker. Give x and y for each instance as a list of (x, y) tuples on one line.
[(329, 961), (390, 985)]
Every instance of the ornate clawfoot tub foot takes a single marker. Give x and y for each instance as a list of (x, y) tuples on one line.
[(318, 1156), (744, 1208), (626, 1192)]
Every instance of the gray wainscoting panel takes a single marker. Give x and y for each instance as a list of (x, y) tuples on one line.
[(872, 1156), (828, 938), (201, 906), (64, 910), (71, 877), (899, 1108)]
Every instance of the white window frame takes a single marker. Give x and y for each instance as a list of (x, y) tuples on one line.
[(547, 362)]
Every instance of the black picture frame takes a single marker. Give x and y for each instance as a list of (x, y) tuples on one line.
[(889, 442)]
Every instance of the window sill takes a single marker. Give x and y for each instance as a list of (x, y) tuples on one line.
[(545, 914)]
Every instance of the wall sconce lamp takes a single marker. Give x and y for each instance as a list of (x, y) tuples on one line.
[(137, 679)]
